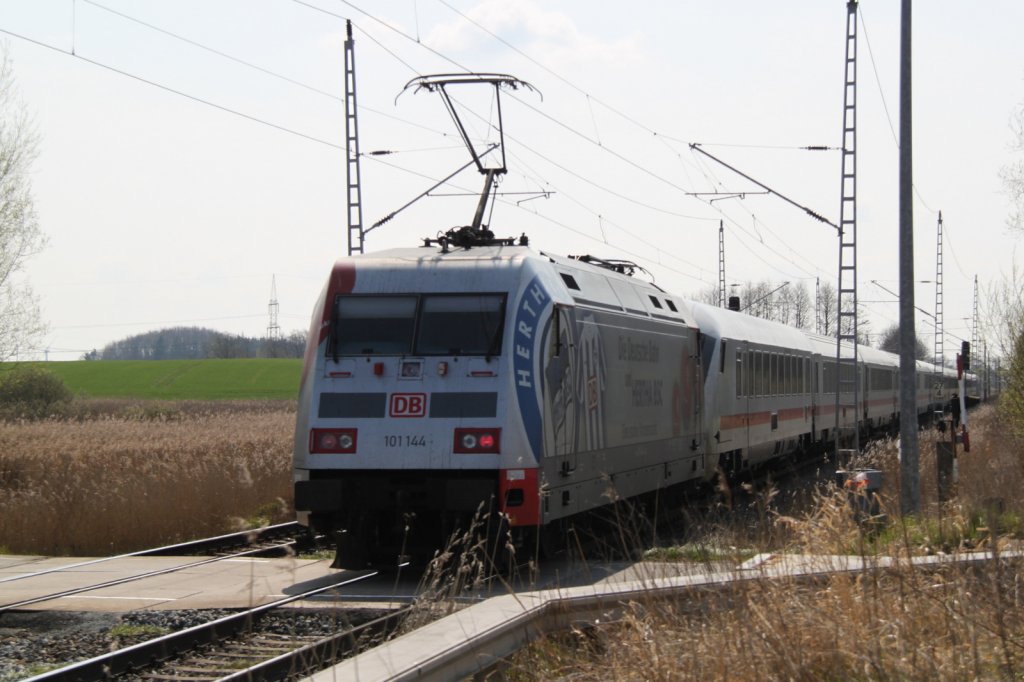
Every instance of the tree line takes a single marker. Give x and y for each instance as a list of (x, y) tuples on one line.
[(196, 343), (795, 306)]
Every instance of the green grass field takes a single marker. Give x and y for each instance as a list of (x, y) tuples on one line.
[(243, 379)]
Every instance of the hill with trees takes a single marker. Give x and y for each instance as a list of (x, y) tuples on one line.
[(198, 343)]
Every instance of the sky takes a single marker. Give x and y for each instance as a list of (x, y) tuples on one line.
[(193, 153)]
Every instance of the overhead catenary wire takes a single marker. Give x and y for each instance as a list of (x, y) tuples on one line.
[(574, 131), (536, 110), (219, 53), (885, 105), (590, 140), (181, 93), (269, 72), (738, 210)]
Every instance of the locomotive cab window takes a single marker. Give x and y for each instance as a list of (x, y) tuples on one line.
[(373, 325), (437, 324), (461, 325)]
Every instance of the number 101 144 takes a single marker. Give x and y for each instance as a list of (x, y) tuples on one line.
[(405, 441)]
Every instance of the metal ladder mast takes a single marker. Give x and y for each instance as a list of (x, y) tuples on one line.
[(847, 383), (354, 199), (273, 328), (721, 264), (975, 341), (939, 347), (817, 306)]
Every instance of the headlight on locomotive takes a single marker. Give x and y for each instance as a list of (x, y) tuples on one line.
[(332, 441), (477, 441)]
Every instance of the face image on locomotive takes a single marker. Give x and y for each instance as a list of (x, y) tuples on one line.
[(538, 388)]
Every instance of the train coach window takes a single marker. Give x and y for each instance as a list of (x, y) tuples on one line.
[(748, 373), (739, 374), (377, 325), (759, 374), (461, 325)]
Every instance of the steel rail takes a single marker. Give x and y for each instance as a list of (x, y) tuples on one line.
[(148, 574), (330, 649), (183, 547), (146, 654)]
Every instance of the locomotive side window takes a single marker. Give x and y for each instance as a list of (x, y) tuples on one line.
[(461, 325), (381, 325)]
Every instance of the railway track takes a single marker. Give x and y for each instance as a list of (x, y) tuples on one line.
[(270, 540), (235, 647)]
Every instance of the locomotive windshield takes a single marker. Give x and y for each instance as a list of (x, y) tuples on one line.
[(460, 325), (431, 324), (381, 325)]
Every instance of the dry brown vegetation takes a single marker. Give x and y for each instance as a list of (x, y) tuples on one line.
[(957, 622), (118, 476)]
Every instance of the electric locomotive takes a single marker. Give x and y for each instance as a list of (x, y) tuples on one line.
[(441, 382)]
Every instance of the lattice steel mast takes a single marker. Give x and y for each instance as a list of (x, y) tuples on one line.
[(273, 329), (847, 383), (975, 341), (817, 305), (721, 264), (354, 197), (939, 345)]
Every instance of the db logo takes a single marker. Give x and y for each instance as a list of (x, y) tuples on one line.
[(408, 405)]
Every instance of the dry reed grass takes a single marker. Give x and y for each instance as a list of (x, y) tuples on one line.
[(127, 476), (956, 622)]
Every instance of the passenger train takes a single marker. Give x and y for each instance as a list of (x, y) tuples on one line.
[(543, 387)]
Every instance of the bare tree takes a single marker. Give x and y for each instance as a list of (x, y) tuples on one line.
[(827, 308), (20, 235), (782, 304), (1003, 324), (890, 342), (709, 295), (803, 306), (1012, 174), (755, 299)]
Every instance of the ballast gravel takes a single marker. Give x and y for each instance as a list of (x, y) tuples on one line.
[(32, 643)]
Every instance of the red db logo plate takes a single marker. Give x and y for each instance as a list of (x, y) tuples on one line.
[(408, 405)]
